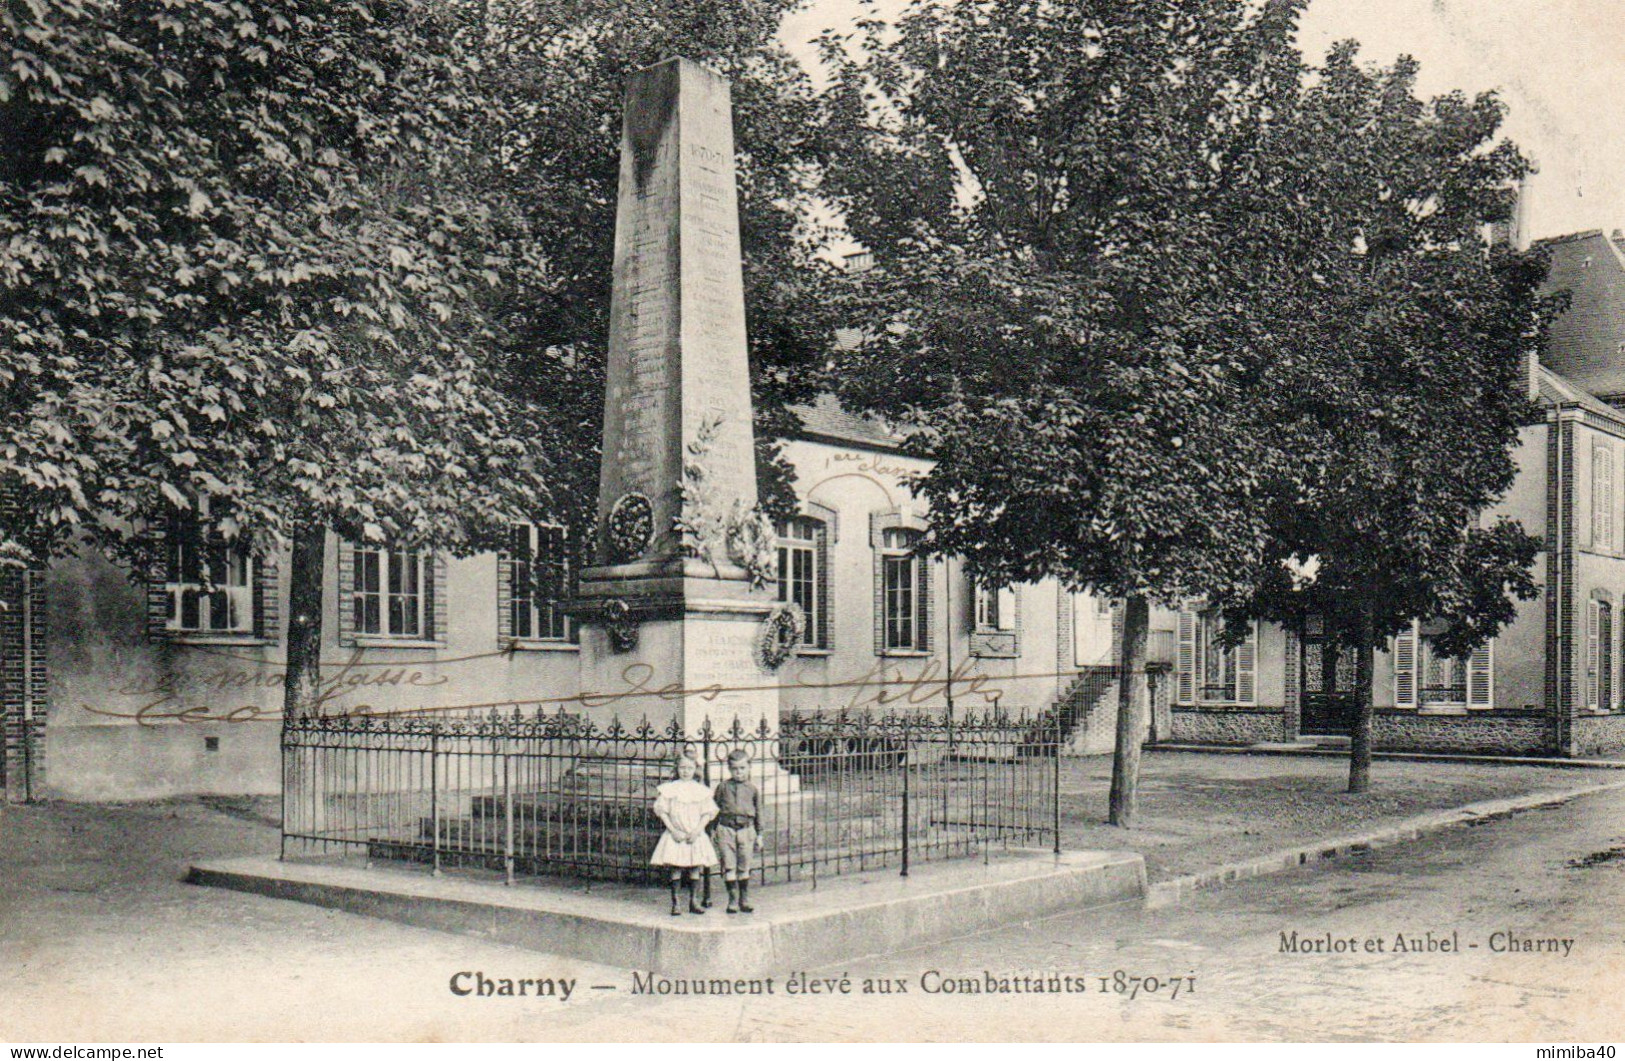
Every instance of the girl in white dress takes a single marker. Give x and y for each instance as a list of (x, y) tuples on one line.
[(685, 807)]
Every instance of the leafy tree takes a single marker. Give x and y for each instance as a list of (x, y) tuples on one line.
[(1171, 310), (90, 134), (345, 267), (1402, 380), (248, 274), (1062, 204)]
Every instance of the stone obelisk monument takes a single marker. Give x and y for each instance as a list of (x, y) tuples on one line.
[(667, 608)]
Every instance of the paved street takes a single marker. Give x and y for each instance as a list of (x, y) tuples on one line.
[(100, 945), (1557, 873)]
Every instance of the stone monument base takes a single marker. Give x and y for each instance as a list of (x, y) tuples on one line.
[(796, 926)]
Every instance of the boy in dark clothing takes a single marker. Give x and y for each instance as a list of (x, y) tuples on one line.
[(738, 830)]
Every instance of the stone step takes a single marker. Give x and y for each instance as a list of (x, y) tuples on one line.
[(641, 834), (629, 859), (797, 926)]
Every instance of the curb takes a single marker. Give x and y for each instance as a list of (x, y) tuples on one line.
[(1173, 892)]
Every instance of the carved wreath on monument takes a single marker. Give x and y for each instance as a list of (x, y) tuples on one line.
[(631, 525), (779, 635), (620, 625)]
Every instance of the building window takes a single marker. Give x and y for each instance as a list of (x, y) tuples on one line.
[(1599, 655), (803, 575), (1426, 678), (995, 621), (208, 583), (390, 595), (1602, 498), (995, 608), (905, 592), (539, 584), (1091, 629), (1208, 671)]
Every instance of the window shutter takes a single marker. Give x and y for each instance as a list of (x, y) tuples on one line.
[(1065, 637), (1247, 667), (1007, 608), (822, 620), (926, 639), (158, 574), (346, 593), (1602, 497), (1480, 676), (878, 559), (437, 614), (1593, 651), (1187, 657), (267, 596), (505, 586), (1405, 669)]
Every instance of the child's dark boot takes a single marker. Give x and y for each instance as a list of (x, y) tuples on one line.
[(676, 911), (744, 898), (694, 906), (733, 897)]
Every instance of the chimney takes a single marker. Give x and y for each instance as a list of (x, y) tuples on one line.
[(1519, 236)]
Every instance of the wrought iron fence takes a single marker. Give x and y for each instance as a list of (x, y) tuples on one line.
[(533, 794)]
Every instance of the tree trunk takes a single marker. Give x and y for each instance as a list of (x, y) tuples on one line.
[(1360, 738), (1133, 708), (301, 683)]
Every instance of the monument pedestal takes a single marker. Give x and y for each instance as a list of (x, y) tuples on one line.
[(685, 657)]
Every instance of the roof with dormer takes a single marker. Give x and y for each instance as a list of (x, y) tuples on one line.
[(1586, 345), (1555, 390)]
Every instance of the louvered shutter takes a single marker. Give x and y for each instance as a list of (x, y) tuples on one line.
[(1247, 667), (1602, 498), (1479, 676), (822, 622), (1007, 608), (1187, 657), (1593, 651), (924, 602), (1405, 669)]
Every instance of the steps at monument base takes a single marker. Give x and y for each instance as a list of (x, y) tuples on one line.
[(625, 856), (612, 806), (801, 925), (632, 836), (635, 867)]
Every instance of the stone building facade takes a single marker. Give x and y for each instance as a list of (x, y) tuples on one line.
[(120, 685), (161, 685), (1553, 682)]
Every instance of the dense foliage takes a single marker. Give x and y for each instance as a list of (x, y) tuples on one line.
[(246, 266), (1168, 308), (1051, 194), (1404, 378), (342, 267)]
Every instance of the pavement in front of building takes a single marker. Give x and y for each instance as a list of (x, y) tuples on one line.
[(1249, 806), (101, 940)]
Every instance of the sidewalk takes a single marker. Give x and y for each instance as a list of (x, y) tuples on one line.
[(1198, 810), (102, 935)]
